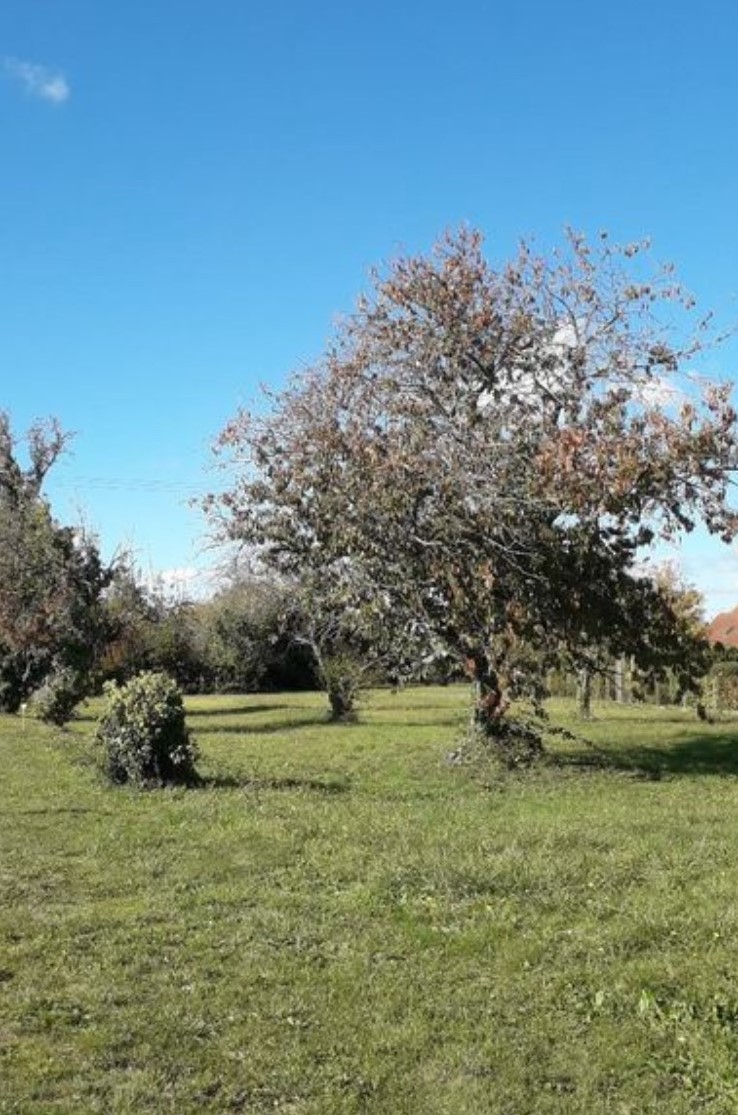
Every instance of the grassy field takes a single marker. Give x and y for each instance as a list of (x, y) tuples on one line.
[(339, 922)]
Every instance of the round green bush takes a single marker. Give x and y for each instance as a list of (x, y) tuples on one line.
[(55, 701), (143, 733)]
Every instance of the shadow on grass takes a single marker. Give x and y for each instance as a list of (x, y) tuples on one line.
[(634, 718), (236, 710), (84, 716), (57, 811), (431, 722), (697, 754), (222, 781), (287, 725)]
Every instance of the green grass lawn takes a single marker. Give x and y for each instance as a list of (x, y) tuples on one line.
[(339, 922)]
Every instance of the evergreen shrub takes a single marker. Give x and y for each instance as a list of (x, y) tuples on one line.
[(143, 733)]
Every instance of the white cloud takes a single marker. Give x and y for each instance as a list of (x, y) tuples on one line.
[(179, 576), (658, 392), (38, 81), (182, 583)]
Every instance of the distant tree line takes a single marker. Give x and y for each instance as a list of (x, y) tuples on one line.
[(69, 623), (242, 639)]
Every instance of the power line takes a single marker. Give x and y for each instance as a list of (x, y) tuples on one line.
[(131, 484)]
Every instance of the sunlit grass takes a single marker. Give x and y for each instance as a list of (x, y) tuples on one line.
[(339, 922)]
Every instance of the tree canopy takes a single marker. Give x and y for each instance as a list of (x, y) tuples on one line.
[(488, 449)]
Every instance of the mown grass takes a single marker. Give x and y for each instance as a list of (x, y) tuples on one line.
[(339, 922)]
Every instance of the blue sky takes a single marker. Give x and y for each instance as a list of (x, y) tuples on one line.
[(191, 193)]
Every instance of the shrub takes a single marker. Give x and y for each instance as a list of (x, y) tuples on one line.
[(143, 732), (55, 701), (722, 686)]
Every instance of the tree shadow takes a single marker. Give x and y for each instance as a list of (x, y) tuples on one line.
[(236, 710), (225, 781), (432, 722), (82, 716), (698, 754), (289, 724), (57, 811), (676, 717)]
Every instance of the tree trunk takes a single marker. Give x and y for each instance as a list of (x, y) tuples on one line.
[(620, 680), (490, 703), (341, 684), (513, 742), (630, 683), (342, 702), (584, 693)]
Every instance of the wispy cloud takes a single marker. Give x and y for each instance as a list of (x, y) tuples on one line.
[(38, 81)]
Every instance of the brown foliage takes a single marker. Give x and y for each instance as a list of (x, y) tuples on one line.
[(487, 449)]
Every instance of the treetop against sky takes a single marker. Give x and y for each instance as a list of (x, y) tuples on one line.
[(190, 196)]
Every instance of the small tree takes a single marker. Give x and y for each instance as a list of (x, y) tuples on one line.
[(57, 698), (356, 637)]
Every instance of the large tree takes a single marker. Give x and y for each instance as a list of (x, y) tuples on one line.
[(51, 576), (489, 449)]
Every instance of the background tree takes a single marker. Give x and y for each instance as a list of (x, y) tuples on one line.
[(251, 627), (357, 637), (131, 615), (241, 639), (150, 630), (668, 643), (51, 577), (490, 449)]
